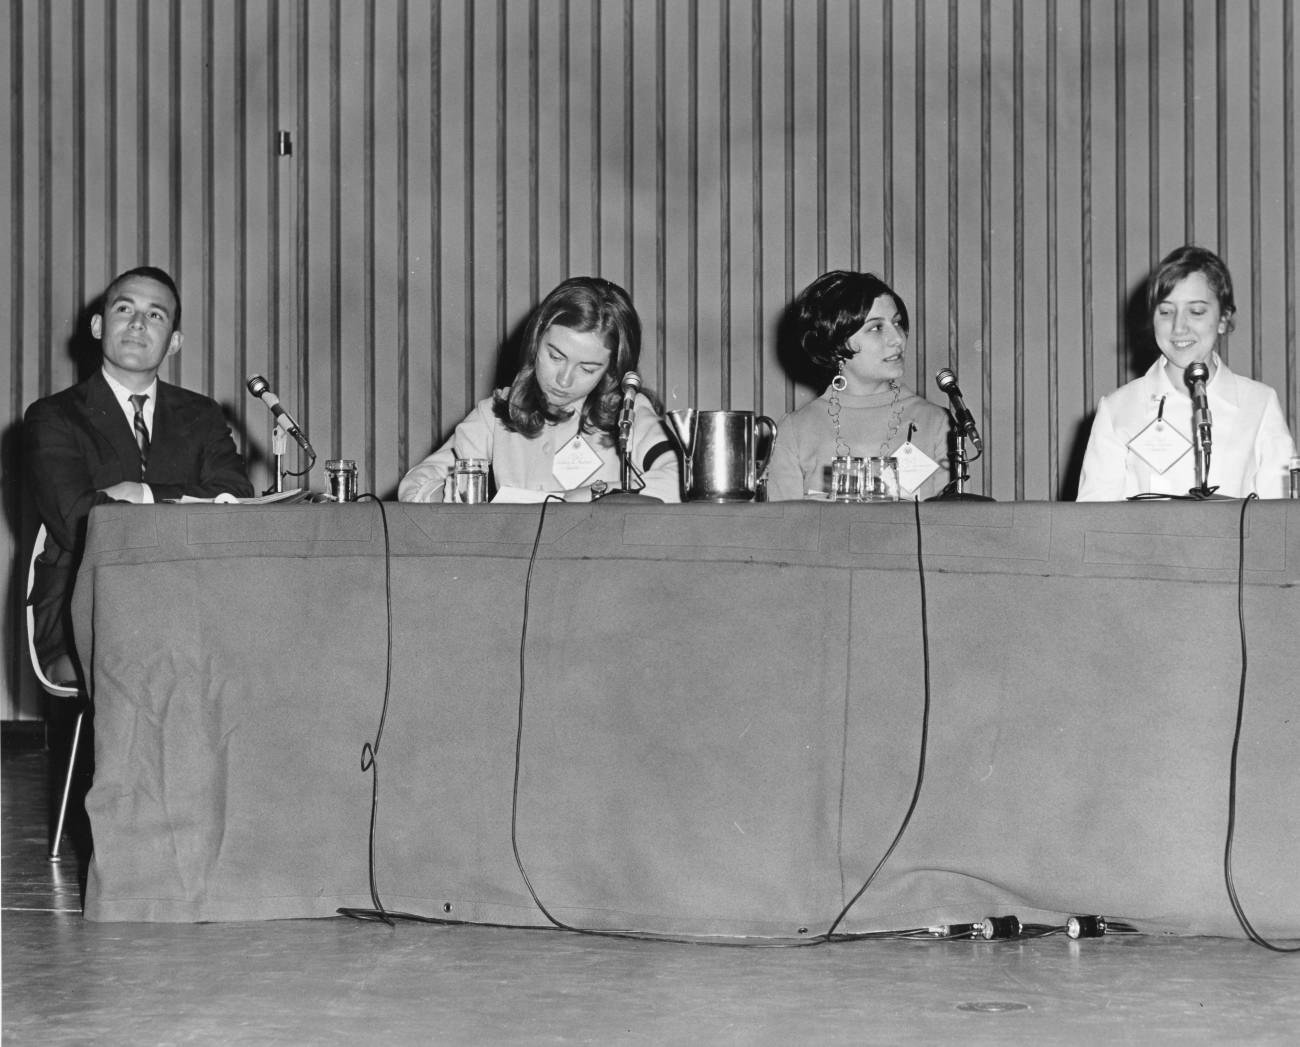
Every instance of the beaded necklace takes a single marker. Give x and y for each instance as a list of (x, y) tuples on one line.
[(833, 408)]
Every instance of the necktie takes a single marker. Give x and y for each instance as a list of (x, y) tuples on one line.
[(141, 431)]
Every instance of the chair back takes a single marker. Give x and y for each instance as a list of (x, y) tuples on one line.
[(58, 690)]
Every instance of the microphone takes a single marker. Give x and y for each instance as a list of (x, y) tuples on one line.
[(631, 384), (258, 386), (1196, 375), (965, 420)]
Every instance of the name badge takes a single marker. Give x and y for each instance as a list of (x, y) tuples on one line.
[(575, 463), (914, 467), (1159, 444)]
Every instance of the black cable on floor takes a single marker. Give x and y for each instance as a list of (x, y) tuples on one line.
[(370, 751), (925, 735), (627, 935), (1246, 925), (370, 762)]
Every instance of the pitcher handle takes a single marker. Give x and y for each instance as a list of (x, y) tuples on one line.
[(763, 445)]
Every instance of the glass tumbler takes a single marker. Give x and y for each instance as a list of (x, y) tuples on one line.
[(341, 480), (469, 484), (847, 477), (882, 480)]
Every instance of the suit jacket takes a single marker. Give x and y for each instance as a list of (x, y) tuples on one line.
[(78, 441)]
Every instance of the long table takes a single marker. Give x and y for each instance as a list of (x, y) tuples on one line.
[(697, 719)]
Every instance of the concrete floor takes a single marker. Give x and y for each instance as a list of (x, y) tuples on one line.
[(336, 981)]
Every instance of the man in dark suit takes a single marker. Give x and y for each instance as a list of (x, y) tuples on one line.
[(121, 435)]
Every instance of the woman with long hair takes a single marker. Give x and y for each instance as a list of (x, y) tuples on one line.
[(554, 429)]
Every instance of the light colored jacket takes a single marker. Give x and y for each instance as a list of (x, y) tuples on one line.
[(1250, 451)]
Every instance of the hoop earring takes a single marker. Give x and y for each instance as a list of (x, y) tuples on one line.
[(839, 383)]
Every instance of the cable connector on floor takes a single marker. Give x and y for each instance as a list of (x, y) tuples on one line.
[(1085, 926), (954, 930), (999, 928)]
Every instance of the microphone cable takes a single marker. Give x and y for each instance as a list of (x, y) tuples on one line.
[(830, 934), (624, 935), (370, 751), (311, 462), (370, 763), (1237, 908), (519, 719)]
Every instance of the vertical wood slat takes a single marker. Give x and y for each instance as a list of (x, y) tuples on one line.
[(692, 303), (1121, 194), (468, 143), (1189, 123), (404, 253), (1256, 254), (1290, 114), (16, 687), (1053, 267), (759, 318), (821, 73), (452, 160), (887, 139), (1087, 302), (1153, 143), (724, 201), (595, 99), (919, 310), (986, 250), (787, 211), (661, 191)]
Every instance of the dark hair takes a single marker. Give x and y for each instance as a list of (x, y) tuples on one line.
[(593, 306), (831, 310), (1181, 263), (149, 272)]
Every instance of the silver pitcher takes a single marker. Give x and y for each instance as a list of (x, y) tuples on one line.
[(724, 453)]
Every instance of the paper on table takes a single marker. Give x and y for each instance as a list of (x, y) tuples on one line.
[(296, 495)]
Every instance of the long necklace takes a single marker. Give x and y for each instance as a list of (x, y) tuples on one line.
[(833, 408)]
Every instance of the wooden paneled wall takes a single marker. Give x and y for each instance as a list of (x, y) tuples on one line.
[(362, 198)]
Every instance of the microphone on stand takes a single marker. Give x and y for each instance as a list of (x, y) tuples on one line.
[(1196, 375), (259, 387), (627, 413), (631, 385), (947, 382)]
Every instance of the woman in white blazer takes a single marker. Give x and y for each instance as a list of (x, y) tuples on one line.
[(1142, 437)]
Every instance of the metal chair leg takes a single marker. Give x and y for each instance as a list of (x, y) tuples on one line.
[(67, 789)]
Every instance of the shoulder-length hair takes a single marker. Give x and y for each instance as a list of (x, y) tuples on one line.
[(833, 308), (1179, 264), (591, 305)]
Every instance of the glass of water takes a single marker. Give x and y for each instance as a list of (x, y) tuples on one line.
[(847, 475), (469, 484), (341, 480), (882, 480)]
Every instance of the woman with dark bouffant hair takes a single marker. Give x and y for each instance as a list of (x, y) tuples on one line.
[(1142, 439), (554, 429), (854, 326)]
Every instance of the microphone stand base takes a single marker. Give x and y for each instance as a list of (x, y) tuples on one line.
[(960, 496)]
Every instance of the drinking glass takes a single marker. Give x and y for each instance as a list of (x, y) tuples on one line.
[(882, 480), (847, 476), (469, 481), (341, 480)]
